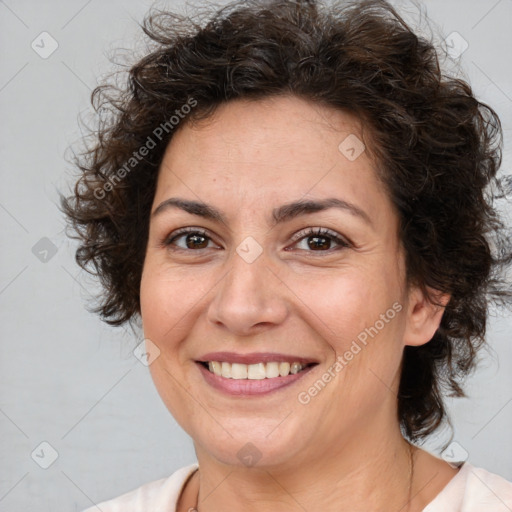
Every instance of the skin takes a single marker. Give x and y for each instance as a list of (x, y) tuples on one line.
[(342, 451)]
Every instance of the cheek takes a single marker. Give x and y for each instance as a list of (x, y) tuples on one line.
[(167, 300), (165, 323), (368, 351), (360, 316), (346, 303), (153, 305)]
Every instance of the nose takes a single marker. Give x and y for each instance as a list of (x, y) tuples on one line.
[(249, 298)]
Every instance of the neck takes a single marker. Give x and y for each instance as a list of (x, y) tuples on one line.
[(364, 473)]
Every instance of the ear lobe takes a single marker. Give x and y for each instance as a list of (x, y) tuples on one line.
[(423, 317)]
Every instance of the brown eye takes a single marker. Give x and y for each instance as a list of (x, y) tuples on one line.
[(319, 240), (192, 239)]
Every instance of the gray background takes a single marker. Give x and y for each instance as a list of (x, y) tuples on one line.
[(73, 382)]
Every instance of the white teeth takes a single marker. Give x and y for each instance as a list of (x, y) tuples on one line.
[(284, 369), (272, 370), (226, 370), (216, 368), (256, 371), (238, 371)]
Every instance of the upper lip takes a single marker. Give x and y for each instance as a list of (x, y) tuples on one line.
[(253, 358)]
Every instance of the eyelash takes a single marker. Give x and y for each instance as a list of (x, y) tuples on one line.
[(304, 234), (324, 233)]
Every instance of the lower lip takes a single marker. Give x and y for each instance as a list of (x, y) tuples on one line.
[(245, 387)]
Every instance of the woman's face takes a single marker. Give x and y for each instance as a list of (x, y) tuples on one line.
[(235, 273)]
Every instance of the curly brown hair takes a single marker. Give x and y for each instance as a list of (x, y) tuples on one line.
[(439, 149)]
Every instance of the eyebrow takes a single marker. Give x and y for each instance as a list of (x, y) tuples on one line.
[(283, 213)]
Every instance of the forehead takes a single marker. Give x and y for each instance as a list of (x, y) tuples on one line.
[(274, 150), (277, 125)]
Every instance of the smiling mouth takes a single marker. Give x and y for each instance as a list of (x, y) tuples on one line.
[(258, 371)]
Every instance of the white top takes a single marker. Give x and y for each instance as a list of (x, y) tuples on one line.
[(470, 490)]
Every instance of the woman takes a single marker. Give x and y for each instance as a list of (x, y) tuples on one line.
[(292, 200)]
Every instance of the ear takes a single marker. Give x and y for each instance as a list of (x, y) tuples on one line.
[(423, 317)]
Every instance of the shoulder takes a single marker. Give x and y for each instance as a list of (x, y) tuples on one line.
[(157, 496), (485, 488), (474, 489)]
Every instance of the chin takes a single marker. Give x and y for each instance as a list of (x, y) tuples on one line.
[(267, 445)]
